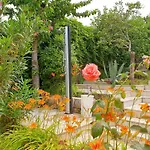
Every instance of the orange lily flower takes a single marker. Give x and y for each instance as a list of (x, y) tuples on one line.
[(27, 106), (40, 92), (74, 118), (66, 118), (70, 128), (97, 145), (33, 125), (109, 117), (41, 102), (147, 142), (32, 101), (144, 107), (124, 129), (56, 97)]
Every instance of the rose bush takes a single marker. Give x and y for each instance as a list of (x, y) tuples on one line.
[(91, 72)]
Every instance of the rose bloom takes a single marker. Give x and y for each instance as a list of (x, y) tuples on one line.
[(145, 57), (91, 72)]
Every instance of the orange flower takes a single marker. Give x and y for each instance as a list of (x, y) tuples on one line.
[(74, 118), (147, 121), (46, 96), (110, 89), (32, 101), (97, 145), (66, 100), (53, 74), (27, 106), (62, 75), (109, 117), (33, 125), (56, 97), (130, 113), (123, 129), (66, 118), (40, 92), (61, 106), (45, 106), (20, 102), (147, 142), (70, 128), (144, 107), (41, 102), (74, 73), (121, 89), (61, 103)]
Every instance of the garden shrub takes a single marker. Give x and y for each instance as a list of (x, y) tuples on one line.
[(11, 104)]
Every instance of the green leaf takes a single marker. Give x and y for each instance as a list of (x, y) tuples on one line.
[(108, 146), (121, 68), (137, 146), (114, 132), (123, 94), (105, 124), (144, 130), (139, 128), (101, 103), (97, 129), (94, 106), (105, 70), (123, 147), (119, 104), (136, 127), (98, 116), (146, 147), (133, 87)]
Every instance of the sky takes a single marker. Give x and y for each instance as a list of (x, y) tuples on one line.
[(99, 4)]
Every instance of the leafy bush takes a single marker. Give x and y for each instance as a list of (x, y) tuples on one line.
[(18, 95)]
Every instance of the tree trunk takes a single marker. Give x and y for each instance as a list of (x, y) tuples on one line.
[(132, 66), (35, 65)]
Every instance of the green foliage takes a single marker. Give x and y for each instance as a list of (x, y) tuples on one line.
[(118, 31), (138, 146), (27, 138), (21, 91), (14, 45)]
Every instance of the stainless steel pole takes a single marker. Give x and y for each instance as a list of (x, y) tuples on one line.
[(67, 59)]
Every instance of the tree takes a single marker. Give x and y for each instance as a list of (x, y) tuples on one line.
[(44, 15), (14, 46), (120, 31)]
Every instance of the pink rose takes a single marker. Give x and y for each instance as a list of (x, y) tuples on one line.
[(91, 72), (145, 57)]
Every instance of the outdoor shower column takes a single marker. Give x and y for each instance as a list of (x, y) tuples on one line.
[(67, 59)]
